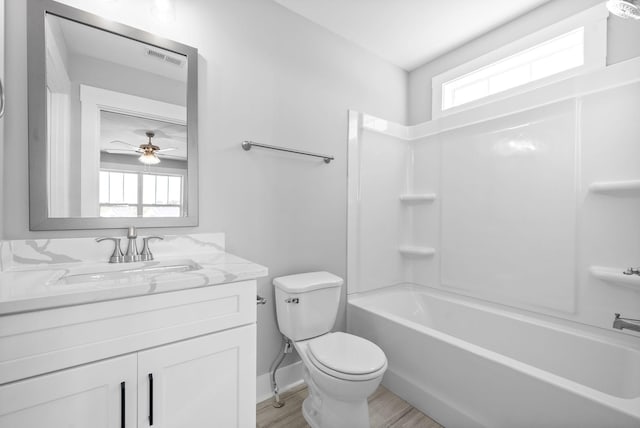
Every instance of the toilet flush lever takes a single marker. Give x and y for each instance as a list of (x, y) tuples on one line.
[(293, 300)]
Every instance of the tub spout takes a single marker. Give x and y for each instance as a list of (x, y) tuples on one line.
[(628, 323)]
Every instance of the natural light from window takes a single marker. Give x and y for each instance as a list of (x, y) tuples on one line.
[(554, 56), (124, 194)]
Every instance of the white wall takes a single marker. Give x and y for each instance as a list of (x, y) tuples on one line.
[(265, 74), (2, 76), (622, 36)]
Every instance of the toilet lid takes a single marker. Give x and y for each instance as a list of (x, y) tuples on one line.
[(347, 354)]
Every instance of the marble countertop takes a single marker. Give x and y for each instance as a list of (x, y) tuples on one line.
[(30, 281)]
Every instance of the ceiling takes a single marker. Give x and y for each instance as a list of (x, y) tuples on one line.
[(123, 134), (410, 33), (84, 41)]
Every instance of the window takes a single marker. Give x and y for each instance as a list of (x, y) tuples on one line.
[(127, 194), (567, 48), (552, 57), (161, 195)]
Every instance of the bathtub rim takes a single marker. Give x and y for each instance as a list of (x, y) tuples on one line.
[(629, 406), (630, 341)]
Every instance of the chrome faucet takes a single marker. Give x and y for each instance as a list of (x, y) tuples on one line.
[(117, 256), (621, 323), (145, 254), (632, 271), (132, 254)]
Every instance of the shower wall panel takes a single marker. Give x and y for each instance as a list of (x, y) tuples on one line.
[(610, 222), (424, 225), (382, 176), (509, 208), (537, 201)]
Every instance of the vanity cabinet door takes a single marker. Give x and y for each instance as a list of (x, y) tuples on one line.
[(204, 382), (85, 396)]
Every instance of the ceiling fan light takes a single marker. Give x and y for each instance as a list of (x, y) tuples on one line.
[(149, 158)]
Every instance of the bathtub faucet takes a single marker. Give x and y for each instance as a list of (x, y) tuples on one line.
[(621, 323)]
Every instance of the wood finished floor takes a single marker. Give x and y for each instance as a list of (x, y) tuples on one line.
[(386, 410)]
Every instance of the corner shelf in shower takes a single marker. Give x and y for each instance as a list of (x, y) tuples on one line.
[(616, 188), (417, 197), (615, 276), (415, 251)]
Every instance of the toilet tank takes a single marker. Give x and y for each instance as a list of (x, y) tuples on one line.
[(307, 303)]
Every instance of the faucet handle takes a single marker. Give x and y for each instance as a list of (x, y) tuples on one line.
[(117, 256), (145, 254)]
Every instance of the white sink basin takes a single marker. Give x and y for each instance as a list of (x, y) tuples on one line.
[(127, 272)]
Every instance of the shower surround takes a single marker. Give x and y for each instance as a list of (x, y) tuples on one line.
[(529, 204)]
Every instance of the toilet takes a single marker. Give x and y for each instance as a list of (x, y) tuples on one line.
[(341, 370)]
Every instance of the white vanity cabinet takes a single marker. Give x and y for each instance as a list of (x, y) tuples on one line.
[(179, 359), (203, 382), (87, 396)]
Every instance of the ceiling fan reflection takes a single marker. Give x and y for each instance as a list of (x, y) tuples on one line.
[(148, 151)]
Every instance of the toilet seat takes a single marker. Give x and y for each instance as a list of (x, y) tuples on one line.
[(347, 357)]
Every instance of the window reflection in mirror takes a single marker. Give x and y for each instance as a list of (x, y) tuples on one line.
[(125, 194), (130, 187)]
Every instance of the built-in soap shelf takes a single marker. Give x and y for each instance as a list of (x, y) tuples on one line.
[(417, 197), (416, 251), (615, 275), (616, 188)]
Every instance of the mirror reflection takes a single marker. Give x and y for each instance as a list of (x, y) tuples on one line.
[(141, 180), (116, 125)]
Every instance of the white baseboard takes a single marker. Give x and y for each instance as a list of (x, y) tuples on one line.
[(287, 377)]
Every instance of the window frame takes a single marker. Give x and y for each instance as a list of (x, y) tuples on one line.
[(594, 22), (140, 204)]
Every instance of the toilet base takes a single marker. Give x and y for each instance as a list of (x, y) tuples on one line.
[(322, 411)]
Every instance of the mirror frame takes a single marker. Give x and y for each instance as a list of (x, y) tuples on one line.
[(38, 199)]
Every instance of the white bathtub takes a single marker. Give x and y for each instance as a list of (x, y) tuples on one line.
[(468, 364)]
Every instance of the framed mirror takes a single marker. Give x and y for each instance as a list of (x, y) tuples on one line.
[(112, 124)]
